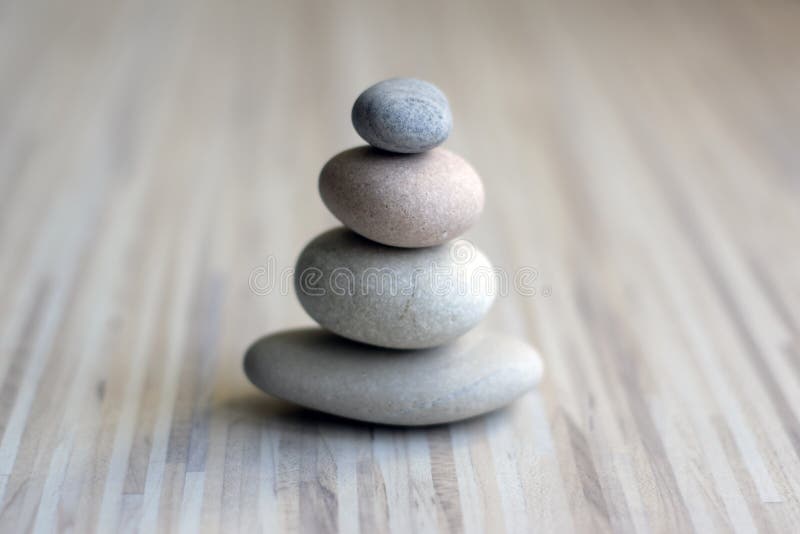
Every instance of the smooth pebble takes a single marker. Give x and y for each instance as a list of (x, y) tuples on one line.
[(393, 297), (403, 201), (313, 368), (403, 115)]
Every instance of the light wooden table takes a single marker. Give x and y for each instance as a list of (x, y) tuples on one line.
[(641, 156)]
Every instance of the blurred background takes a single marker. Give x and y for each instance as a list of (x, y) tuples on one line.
[(642, 157)]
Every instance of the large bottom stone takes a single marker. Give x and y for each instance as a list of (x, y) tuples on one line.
[(475, 374)]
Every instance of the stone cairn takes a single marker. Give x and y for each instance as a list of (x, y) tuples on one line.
[(394, 289)]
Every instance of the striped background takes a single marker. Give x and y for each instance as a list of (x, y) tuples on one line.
[(641, 156)]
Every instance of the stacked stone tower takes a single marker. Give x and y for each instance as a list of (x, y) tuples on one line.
[(395, 289)]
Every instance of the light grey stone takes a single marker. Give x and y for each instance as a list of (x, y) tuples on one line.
[(403, 115), (393, 297), (417, 200), (478, 373)]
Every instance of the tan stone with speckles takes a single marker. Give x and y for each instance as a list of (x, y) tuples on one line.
[(402, 200)]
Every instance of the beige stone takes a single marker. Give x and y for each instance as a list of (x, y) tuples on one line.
[(402, 200)]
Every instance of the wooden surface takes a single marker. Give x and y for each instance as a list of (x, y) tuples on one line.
[(641, 156)]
